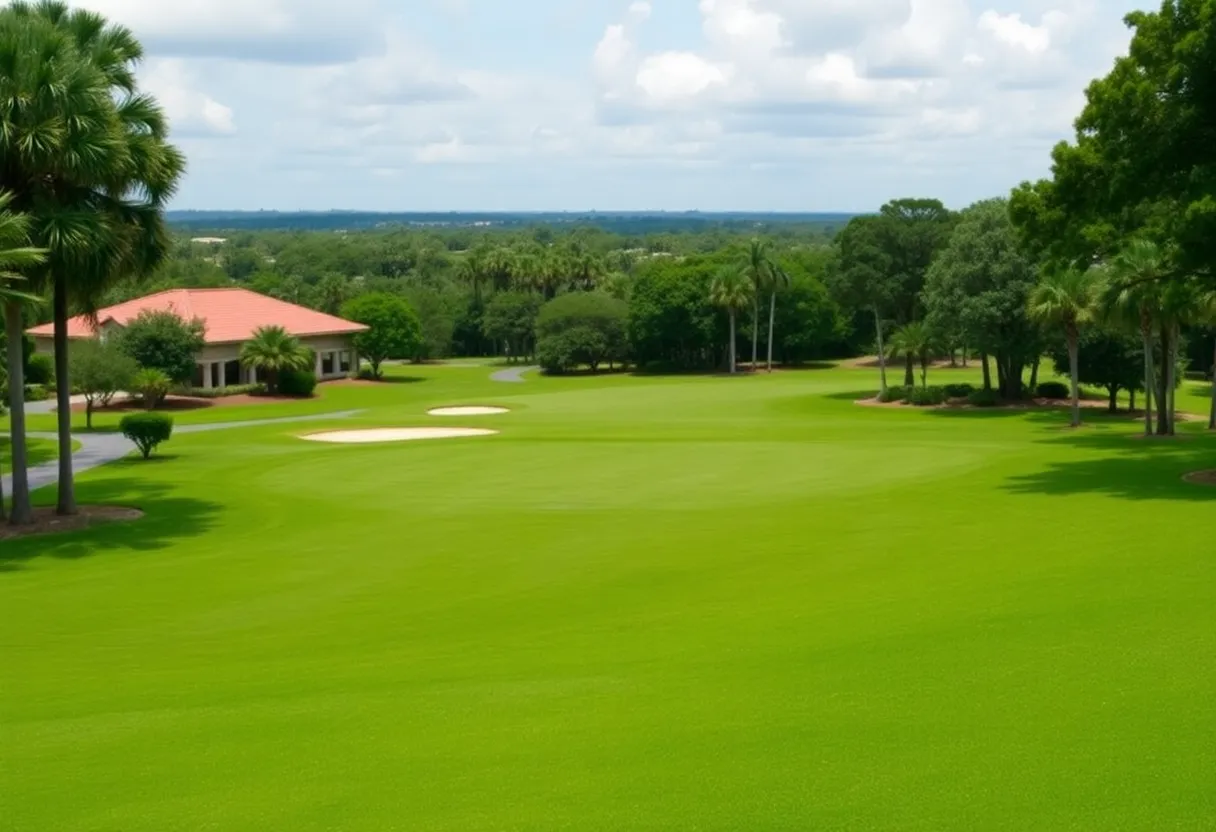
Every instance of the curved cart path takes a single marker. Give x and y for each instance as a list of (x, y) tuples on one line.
[(512, 375)]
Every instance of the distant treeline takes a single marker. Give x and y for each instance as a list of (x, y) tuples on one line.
[(640, 223)]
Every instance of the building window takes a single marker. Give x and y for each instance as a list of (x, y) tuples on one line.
[(232, 374), (197, 381), (344, 361), (327, 364)]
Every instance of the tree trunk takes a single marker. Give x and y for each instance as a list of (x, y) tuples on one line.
[(882, 355), (1173, 380), (88, 413), (1212, 417), (1114, 398), (755, 331), (22, 514), (1034, 375), (987, 372), (63, 395), (772, 322), (3, 516), (1074, 373), (733, 345), (1131, 408), (1161, 388), (1002, 379), (1146, 335), (964, 356), (909, 371)]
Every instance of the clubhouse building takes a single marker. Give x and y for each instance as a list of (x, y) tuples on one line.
[(230, 318)]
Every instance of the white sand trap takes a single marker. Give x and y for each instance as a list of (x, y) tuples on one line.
[(467, 411), (366, 437)]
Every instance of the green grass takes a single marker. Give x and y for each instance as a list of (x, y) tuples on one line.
[(655, 603), (39, 451)]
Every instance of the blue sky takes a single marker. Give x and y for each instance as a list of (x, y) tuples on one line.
[(794, 105)]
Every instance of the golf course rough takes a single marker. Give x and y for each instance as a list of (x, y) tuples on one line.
[(653, 603)]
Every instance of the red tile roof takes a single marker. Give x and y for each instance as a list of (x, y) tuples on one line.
[(230, 315)]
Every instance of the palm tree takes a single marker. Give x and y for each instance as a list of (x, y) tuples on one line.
[(16, 256), (732, 291), (760, 270), (86, 155), (274, 351), (1132, 297), (916, 341), (1066, 299)]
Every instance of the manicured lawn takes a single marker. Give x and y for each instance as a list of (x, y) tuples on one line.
[(655, 603), (39, 450)]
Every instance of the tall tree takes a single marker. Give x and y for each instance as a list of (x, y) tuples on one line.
[(732, 291), (916, 341), (765, 276), (978, 289), (87, 156), (16, 255), (1065, 299), (1131, 299)]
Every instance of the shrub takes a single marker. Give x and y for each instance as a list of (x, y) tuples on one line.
[(147, 430), (36, 393), (894, 394), (581, 328), (984, 398), (223, 392), (40, 369), (1053, 390), (151, 386), (959, 391), (298, 383), (927, 396), (163, 341), (367, 374)]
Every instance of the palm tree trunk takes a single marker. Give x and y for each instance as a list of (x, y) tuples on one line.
[(63, 395), (1160, 388), (772, 322), (1034, 375), (1173, 380), (755, 330), (987, 371), (1074, 372), (882, 355), (1146, 335), (1212, 417), (733, 345), (22, 514), (909, 371)]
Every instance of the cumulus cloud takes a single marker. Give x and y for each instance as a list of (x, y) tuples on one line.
[(191, 111)]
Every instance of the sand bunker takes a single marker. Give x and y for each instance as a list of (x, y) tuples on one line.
[(467, 411), (364, 437)]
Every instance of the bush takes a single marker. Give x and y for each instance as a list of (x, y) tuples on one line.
[(36, 393), (367, 374), (927, 396), (581, 328), (147, 430), (223, 392), (151, 386), (894, 394), (40, 369), (984, 398), (163, 341), (297, 383), (1053, 390), (959, 391)]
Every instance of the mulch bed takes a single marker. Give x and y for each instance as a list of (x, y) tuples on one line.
[(47, 522), (1030, 404), (1202, 478)]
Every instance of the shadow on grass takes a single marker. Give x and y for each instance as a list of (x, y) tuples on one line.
[(1130, 467), (395, 379), (38, 451), (167, 520)]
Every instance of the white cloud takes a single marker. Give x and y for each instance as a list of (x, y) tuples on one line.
[(1012, 31), (673, 77), (191, 111)]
